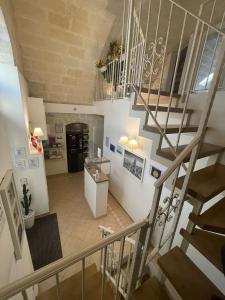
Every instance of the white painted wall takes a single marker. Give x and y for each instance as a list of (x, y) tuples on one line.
[(13, 99), (69, 108), (37, 117), (135, 197), (10, 268)]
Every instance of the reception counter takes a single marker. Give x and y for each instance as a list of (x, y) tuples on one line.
[(96, 187)]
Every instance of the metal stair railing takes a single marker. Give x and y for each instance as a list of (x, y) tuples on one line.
[(118, 263), (173, 172), (20, 286)]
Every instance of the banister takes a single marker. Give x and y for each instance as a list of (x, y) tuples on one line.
[(163, 134), (176, 163), (50, 270), (198, 18)]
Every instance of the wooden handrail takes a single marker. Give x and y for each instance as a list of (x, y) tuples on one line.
[(54, 268), (177, 162)]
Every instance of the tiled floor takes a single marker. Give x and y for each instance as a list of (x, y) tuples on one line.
[(78, 229)]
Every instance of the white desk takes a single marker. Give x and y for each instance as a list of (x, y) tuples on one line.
[(96, 190)]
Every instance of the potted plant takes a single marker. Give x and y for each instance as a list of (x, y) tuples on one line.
[(101, 64), (28, 214)]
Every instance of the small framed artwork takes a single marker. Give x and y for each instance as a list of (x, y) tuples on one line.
[(112, 148), (33, 163), (134, 164), (13, 211), (20, 165), (20, 152), (59, 128), (107, 141), (154, 172), (119, 149)]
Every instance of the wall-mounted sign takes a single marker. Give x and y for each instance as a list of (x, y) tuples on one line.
[(119, 149), (112, 148), (20, 152), (154, 172), (33, 163), (59, 128), (20, 165)]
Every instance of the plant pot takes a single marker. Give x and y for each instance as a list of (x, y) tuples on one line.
[(103, 69), (29, 219)]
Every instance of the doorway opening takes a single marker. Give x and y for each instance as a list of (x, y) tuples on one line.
[(77, 142)]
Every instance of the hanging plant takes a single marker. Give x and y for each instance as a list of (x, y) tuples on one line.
[(115, 50), (101, 64)]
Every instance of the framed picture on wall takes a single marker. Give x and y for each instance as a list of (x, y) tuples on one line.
[(119, 149), (58, 127), (134, 164), (107, 141), (112, 148), (13, 211)]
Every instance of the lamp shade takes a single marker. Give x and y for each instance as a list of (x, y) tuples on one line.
[(123, 140), (38, 132), (133, 143)]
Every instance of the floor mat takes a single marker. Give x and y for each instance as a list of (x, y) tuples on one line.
[(44, 241)]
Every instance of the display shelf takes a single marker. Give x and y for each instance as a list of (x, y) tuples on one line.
[(51, 158)]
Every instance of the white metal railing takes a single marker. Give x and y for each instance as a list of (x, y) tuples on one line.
[(110, 80), (118, 261), (113, 77), (148, 39), (53, 270), (146, 60), (158, 47), (151, 42)]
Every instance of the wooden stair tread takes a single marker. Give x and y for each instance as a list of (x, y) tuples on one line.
[(151, 289), (187, 279), (208, 244), (71, 287), (213, 219), (162, 93), (206, 150), (205, 183), (140, 107), (171, 128)]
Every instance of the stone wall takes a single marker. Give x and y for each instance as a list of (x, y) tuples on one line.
[(60, 41)]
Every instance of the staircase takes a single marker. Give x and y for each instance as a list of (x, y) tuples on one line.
[(167, 117), (70, 288)]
